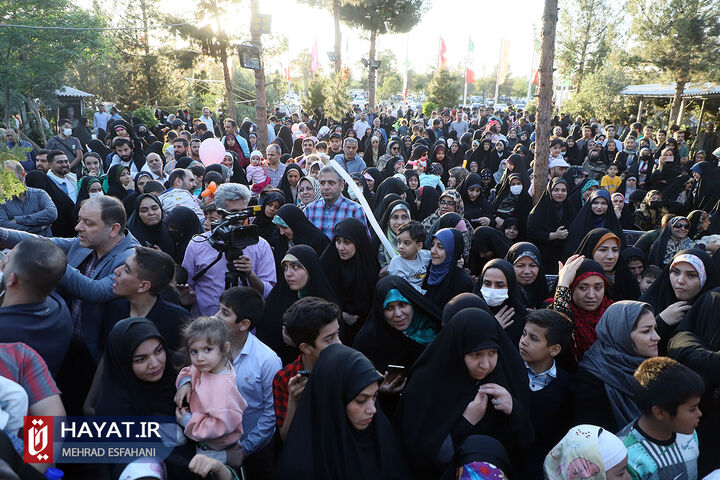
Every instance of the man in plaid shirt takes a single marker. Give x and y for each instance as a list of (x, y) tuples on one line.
[(327, 211), (312, 324)]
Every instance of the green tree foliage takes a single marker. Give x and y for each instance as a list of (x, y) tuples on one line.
[(428, 107), (445, 88), (679, 37), (389, 86), (583, 37), (10, 185), (33, 60), (337, 92), (146, 115), (378, 17), (600, 95), (314, 96)]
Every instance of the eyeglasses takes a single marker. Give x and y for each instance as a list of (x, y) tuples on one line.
[(395, 147), (684, 226), (446, 203)]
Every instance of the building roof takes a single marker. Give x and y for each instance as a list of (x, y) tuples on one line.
[(66, 91), (706, 89)]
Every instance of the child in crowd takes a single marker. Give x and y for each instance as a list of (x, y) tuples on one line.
[(311, 324), (13, 408), (556, 146), (587, 452), (256, 173), (431, 179), (412, 262), (649, 275), (214, 414), (611, 181), (546, 334), (662, 443)]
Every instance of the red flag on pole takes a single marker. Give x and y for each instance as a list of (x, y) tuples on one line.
[(443, 50), (314, 64)]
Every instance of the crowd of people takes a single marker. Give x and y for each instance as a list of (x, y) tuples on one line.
[(377, 296)]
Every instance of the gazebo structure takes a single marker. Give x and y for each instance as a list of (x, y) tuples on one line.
[(707, 91), (71, 103)]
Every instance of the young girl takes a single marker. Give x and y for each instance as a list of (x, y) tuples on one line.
[(214, 414), (256, 173)]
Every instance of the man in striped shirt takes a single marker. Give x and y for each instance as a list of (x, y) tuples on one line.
[(327, 211)]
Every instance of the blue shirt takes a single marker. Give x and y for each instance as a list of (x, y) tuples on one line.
[(356, 165), (100, 120), (325, 216), (255, 368), (538, 381)]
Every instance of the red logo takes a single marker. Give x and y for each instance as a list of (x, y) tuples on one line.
[(38, 440)]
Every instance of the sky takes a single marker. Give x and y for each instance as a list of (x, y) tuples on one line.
[(456, 20)]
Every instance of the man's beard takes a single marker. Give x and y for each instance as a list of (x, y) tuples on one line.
[(125, 159)]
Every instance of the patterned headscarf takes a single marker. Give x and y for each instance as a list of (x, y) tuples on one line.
[(455, 196), (316, 187)]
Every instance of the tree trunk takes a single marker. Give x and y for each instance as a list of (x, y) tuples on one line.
[(228, 81), (146, 61), (583, 58), (545, 94), (260, 98), (677, 100), (338, 42), (371, 71), (6, 116), (34, 109)]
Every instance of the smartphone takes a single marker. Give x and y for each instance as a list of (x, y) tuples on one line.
[(304, 373), (396, 369)]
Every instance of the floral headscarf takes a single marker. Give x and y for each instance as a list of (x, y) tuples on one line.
[(316, 187), (455, 196)]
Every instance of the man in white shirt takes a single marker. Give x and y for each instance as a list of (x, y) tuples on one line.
[(206, 118), (60, 173), (361, 126), (101, 117)]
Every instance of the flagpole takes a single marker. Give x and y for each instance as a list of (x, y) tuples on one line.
[(287, 74), (466, 73), (405, 79), (497, 75)]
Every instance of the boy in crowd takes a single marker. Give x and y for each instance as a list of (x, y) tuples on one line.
[(412, 261), (546, 334), (611, 181), (311, 324), (662, 443), (649, 275)]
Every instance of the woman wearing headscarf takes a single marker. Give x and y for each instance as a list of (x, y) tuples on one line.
[(296, 229), (82, 132), (352, 270), (117, 179), (448, 201), (183, 224), (498, 286), (597, 212), (476, 206), (394, 165), (302, 276), (487, 243), (487, 184), (582, 295), (361, 183), (445, 279), (147, 225), (603, 387), (308, 191), (696, 344), (699, 224), (92, 165), (393, 149), (266, 227), (512, 200), (548, 223), (400, 326), (426, 199), (461, 302), (526, 261), (650, 213), (337, 431), (623, 211), (90, 186), (138, 379), (497, 176), (689, 275), (374, 149), (707, 192), (452, 220), (64, 225), (141, 178), (457, 177), (603, 246), (666, 171), (470, 380), (376, 177), (285, 137), (396, 214), (587, 451), (289, 182), (673, 238)]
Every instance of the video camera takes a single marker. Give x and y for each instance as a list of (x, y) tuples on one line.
[(231, 233)]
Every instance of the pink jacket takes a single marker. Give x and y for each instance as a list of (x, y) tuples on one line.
[(216, 407)]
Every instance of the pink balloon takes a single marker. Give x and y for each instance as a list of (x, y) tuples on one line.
[(295, 128), (212, 151)]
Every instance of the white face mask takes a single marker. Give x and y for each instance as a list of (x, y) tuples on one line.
[(351, 193), (95, 194), (67, 131), (515, 189), (494, 296)]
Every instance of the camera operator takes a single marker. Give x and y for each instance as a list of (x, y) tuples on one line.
[(257, 262)]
